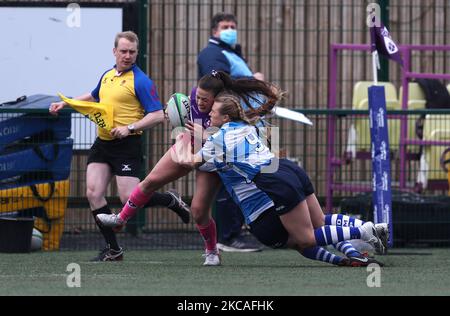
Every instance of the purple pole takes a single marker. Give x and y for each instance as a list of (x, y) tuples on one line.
[(426, 47), (331, 126), (404, 119), (427, 75)]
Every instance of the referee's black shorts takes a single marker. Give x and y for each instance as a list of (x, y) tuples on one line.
[(124, 156), (287, 187)]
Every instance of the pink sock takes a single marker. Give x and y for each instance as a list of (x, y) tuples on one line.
[(209, 234), (136, 200)]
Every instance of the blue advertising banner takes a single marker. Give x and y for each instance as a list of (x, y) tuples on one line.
[(381, 166)]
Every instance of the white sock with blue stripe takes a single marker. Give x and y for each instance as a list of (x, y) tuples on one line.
[(321, 254), (328, 235), (345, 221), (342, 220), (347, 249)]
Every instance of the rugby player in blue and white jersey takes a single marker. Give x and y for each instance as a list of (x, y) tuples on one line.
[(275, 195)]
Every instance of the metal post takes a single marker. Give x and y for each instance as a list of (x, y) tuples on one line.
[(383, 72), (404, 119), (142, 34), (143, 64), (331, 126), (135, 225)]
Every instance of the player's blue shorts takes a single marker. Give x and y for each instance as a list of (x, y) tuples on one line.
[(287, 187)]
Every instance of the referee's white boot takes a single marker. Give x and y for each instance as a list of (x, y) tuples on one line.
[(369, 234), (111, 220), (212, 258)]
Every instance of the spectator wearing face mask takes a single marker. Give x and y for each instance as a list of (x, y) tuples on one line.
[(222, 52)]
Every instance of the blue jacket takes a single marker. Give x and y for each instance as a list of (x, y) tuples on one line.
[(221, 56)]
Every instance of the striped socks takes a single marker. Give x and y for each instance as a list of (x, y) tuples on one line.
[(328, 235), (347, 249), (321, 254), (342, 220), (345, 221)]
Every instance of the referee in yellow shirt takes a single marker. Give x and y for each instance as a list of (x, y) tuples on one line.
[(119, 152)]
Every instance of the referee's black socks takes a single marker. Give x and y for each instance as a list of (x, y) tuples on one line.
[(107, 232), (160, 199)]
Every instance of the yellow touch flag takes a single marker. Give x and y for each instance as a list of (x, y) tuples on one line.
[(99, 113)]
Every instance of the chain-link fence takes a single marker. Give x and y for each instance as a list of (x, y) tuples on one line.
[(289, 41), (65, 203)]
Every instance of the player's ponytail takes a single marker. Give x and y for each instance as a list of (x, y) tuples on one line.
[(212, 83), (272, 98), (255, 92), (250, 90)]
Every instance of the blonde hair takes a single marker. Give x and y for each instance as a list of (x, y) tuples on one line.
[(129, 35), (231, 106)]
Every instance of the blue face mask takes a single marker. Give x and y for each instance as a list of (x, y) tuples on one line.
[(229, 36)]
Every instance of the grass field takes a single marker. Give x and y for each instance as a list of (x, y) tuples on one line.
[(179, 273)]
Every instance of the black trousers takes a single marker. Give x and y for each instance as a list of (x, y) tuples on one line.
[(229, 217)]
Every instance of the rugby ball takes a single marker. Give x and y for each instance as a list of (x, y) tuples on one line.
[(178, 109), (37, 240)]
